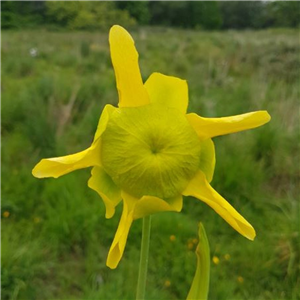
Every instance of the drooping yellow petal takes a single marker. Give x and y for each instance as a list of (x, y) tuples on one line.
[(106, 188), (134, 208), (58, 166), (168, 91), (118, 245), (201, 189), (210, 127), (148, 205), (207, 159), (125, 62)]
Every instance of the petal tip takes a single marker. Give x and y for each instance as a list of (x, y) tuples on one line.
[(263, 117), (38, 171), (115, 28), (109, 214), (252, 237), (117, 31), (110, 265), (267, 116), (250, 234), (114, 257), (35, 173)]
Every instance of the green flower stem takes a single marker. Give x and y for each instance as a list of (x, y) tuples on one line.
[(141, 285)]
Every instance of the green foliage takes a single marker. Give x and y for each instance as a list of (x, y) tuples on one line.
[(186, 14), (8, 19), (164, 13), (94, 15), (86, 14), (55, 239), (139, 10), (260, 14), (284, 14), (62, 12), (242, 14), (205, 14), (22, 14)]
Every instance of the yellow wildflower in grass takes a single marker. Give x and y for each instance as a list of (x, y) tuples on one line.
[(240, 279), (6, 214), (148, 152), (216, 260), (167, 283), (172, 238), (36, 220), (227, 256), (190, 245)]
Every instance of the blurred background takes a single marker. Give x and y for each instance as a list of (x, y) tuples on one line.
[(56, 78)]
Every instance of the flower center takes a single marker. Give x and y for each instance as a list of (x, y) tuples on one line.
[(150, 151)]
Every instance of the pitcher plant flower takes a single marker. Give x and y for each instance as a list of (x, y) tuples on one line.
[(148, 152)]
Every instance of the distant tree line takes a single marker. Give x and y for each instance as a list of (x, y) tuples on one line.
[(88, 15)]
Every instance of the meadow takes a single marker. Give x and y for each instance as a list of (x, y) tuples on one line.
[(55, 237)]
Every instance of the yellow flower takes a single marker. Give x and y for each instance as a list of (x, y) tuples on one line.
[(148, 152), (167, 283), (227, 256), (190, 246), (6, 214), (172, 238), (36, 220), (195, 241), (240, 279), (216, 260)]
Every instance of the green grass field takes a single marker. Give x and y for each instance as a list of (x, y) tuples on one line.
[(55, 237)]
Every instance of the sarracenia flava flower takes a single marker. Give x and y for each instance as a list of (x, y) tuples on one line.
[(148, 152)]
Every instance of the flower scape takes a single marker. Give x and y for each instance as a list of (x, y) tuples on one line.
[(148, 152)]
